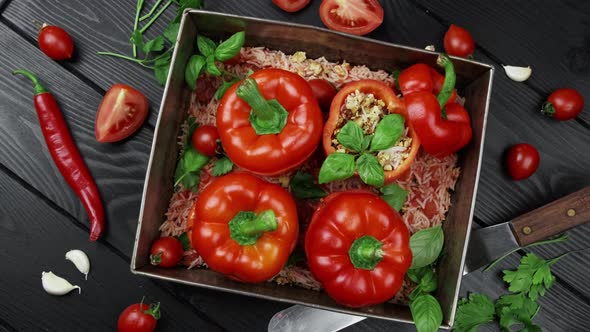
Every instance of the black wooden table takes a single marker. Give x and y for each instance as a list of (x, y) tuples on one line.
[(41, 219)]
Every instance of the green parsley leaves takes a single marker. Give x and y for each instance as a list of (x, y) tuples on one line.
[(474, 311)]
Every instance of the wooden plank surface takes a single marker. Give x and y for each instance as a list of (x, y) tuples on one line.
[(27, 223), (119, 168)]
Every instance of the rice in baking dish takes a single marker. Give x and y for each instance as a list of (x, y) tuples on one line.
[(429, 182)]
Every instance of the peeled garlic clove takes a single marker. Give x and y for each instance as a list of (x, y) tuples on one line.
[(80, 259), (430, 48), (55, 285), (518, 74)]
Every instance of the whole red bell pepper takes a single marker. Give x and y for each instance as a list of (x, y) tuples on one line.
[(358, 247), (270, 123), (244, 227), (443, 127)]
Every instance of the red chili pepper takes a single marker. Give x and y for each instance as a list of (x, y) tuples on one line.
[(441, 132), (65, 154)]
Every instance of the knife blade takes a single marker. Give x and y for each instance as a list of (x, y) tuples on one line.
[(485, 245)]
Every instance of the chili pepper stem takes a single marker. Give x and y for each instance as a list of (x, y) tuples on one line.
[(448, 86), (39, 89)]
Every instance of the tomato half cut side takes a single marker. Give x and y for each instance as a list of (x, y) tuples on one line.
[(358, 17), (121, 112), (291, 6)]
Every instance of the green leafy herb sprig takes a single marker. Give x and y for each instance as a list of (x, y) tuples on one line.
[(157, 52), (209, 54), (340, 166), (425, 308)]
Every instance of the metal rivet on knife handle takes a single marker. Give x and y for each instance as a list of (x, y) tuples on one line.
[(571, 212), (527, 230)]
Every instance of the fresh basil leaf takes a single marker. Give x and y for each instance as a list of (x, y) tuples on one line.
[(370, 170), (137, 39), (426, 312), (195, 66), (211, 67), (189, 167), (426, 246), (351, 136), (428, 282), (222, 166), (231, 47), (366, 141), (185, 241), (388, 132), (394, 195), (303, 187), (171, 32), (206, 46), (337, 166), (416, 274), (224, 87), (154, 45)]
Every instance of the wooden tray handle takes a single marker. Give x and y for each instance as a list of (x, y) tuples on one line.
[(553, 218)]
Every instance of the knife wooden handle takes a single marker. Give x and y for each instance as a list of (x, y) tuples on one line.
[(553, 218)]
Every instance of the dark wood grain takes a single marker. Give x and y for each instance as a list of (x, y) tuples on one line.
[(554, 218), (96, 26), (559, 53), (118, 169), (25, 223)]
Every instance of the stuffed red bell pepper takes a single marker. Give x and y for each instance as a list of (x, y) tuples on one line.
[(244, 227), (368, 121), (269, 123), (442, 125), (358, 247)]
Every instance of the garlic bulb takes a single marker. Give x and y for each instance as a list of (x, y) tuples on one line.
[(55, 285), (80, 259), (518, 74)]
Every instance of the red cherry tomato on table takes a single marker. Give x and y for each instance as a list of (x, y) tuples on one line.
[(55, 42), (357, 17), (358, 247), (458, 42), (204, 140), (139, 317), (121, 112), (324, 91), (166, 252), (522, 160), (563, 104), (291, 6)]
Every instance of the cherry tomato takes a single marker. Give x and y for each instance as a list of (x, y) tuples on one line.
[(139, 317), (324, 91), (522, 161), (166, 252), (458, 41), (205, 140), (55, 42), (291, 6), (121, 112), (358, 17), (563, 104)]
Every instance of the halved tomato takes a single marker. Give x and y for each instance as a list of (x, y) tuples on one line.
[(291, 6), (358, 17), (121, 112)]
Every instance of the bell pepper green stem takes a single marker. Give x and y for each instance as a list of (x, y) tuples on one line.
[(39, 89), (450, 79), (266, 116), (246, 227), (366, 252)]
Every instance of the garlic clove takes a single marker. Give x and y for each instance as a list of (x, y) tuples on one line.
[(430, 48), (80, 260), (518, 74), (55, 285)]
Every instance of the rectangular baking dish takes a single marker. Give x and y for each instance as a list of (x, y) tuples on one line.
[(474, 80)]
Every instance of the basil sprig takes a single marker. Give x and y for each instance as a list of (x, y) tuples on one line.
[(340, 166), (303, 187), (426, 310), (426, 246), (394, 195)]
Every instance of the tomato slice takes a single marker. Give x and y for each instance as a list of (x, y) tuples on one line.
[(121, 112), (358, 17), (291, 6)]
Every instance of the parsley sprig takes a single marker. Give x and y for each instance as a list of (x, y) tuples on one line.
[(157, 52)]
